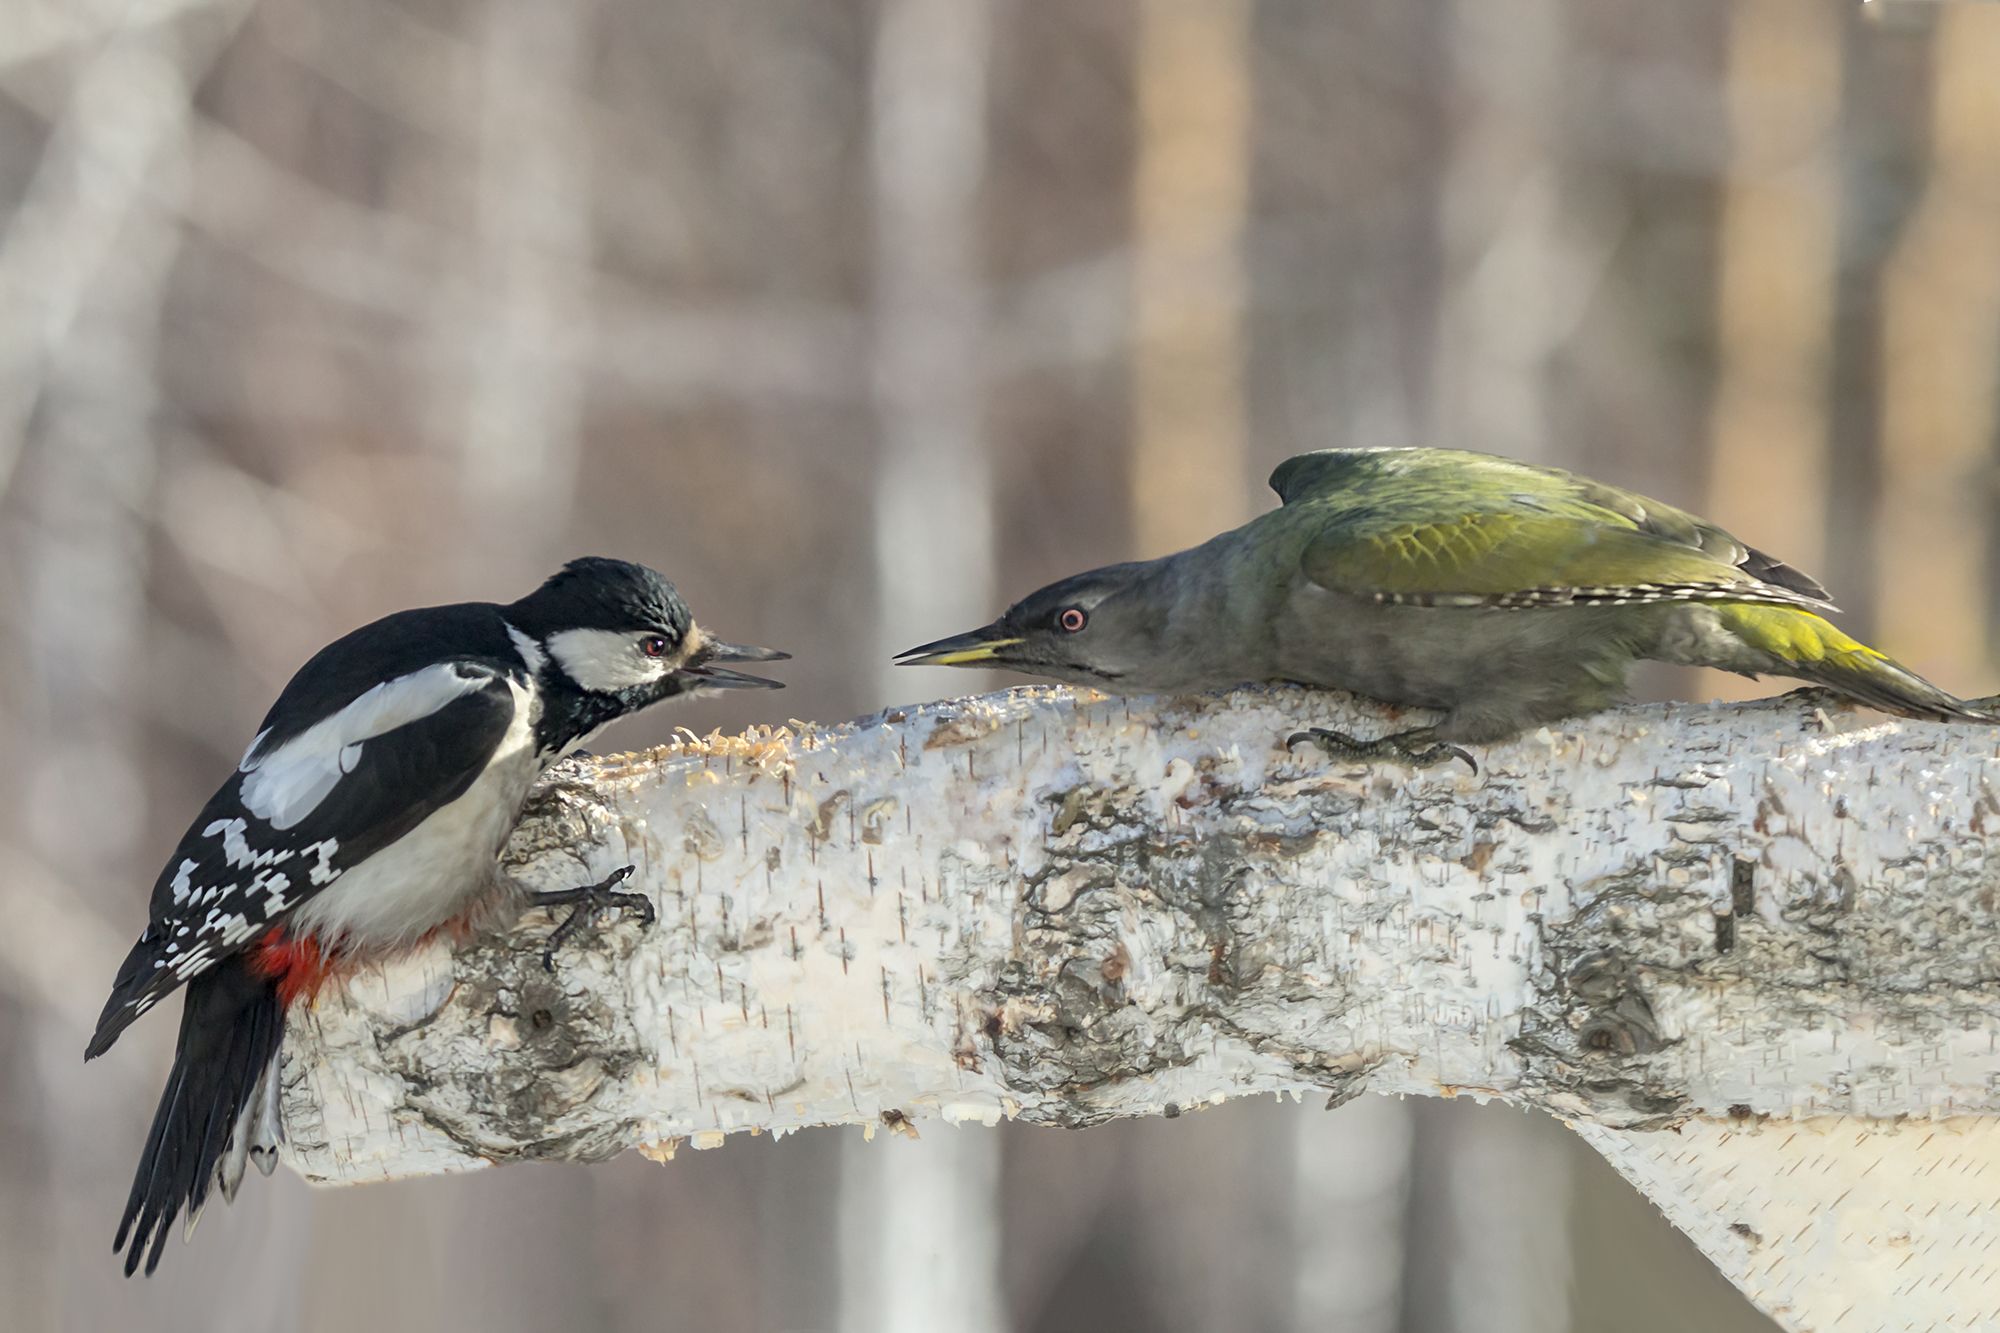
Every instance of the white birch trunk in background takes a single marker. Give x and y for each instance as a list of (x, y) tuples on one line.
[(920, 1228), (1352, 1184), (1777, 267), (1940, 399), (1189, 477), (528, 305), (86, 260), (1518, 262), (1521, 255), (1714, 937), (516, 306)]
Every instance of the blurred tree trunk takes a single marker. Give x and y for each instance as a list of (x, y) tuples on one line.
[(527, 308), (1522, 252), (504, 423), (1192, 183), (1777, 267), (85, 269), (1884, 154), (920, 1230), (1940, 396), (1351, 140)]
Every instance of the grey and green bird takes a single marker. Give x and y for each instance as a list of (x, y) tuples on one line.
[(1502, 594)]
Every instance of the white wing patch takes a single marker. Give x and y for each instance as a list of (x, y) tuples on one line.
[(239, 871), (437, 869), (283, 785)]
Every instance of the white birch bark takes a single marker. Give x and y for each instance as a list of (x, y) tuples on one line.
[(1703, 934)]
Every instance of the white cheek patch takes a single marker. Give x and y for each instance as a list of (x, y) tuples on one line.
[(604, 660)]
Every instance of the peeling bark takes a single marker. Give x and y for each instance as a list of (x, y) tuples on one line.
[(1065, 910)]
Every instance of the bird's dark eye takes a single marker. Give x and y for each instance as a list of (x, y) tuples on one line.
[(1071, 619), (654, 645)]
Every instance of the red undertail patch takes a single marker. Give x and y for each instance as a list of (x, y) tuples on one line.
[(300, 966)]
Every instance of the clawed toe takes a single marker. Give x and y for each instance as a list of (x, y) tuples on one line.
[(588, 903), (1419, 748)]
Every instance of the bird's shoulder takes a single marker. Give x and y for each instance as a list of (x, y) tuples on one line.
[(1372, 474), (474, 634), (333, 795)]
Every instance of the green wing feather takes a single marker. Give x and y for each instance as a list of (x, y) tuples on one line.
[(1446, 528)]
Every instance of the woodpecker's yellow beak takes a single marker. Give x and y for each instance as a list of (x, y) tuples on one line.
[(972, 649)]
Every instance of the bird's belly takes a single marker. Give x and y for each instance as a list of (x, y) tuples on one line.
[(1534, 663), (437, 872), (1401, 655)]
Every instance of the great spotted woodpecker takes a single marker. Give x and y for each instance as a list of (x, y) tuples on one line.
[(368, 814)]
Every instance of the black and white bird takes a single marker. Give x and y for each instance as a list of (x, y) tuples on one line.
[(368, 814)]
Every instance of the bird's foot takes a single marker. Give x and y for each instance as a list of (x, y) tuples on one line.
[(1817, 696), (588, 902), (1420, 747)]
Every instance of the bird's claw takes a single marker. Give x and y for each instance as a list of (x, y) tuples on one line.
[(1420, 748), (587, 902)]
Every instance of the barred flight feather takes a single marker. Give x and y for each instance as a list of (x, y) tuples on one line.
[(1637, 594)]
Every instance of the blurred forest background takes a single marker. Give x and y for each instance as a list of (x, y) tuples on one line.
[(859, 317)]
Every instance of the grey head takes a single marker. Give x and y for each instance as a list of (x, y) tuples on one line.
[(619, 631), (1109, 628)]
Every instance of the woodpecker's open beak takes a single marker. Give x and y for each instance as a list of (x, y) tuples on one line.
[(981, 646), (702, 671)]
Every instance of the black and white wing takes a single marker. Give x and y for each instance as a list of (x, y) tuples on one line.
[(305, 807)]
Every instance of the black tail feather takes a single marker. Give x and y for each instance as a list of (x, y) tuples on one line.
[(1773, 570), (140, 986), (231, 1029)]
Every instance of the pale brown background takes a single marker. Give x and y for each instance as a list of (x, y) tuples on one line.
[(858, 318)]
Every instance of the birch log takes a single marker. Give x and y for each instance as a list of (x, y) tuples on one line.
[(1745, 949)]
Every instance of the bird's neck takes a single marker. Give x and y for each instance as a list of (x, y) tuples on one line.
[(570, 715), (1215, 632)]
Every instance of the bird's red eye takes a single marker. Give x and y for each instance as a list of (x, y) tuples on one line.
[(1071, 619), (653, 646)]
